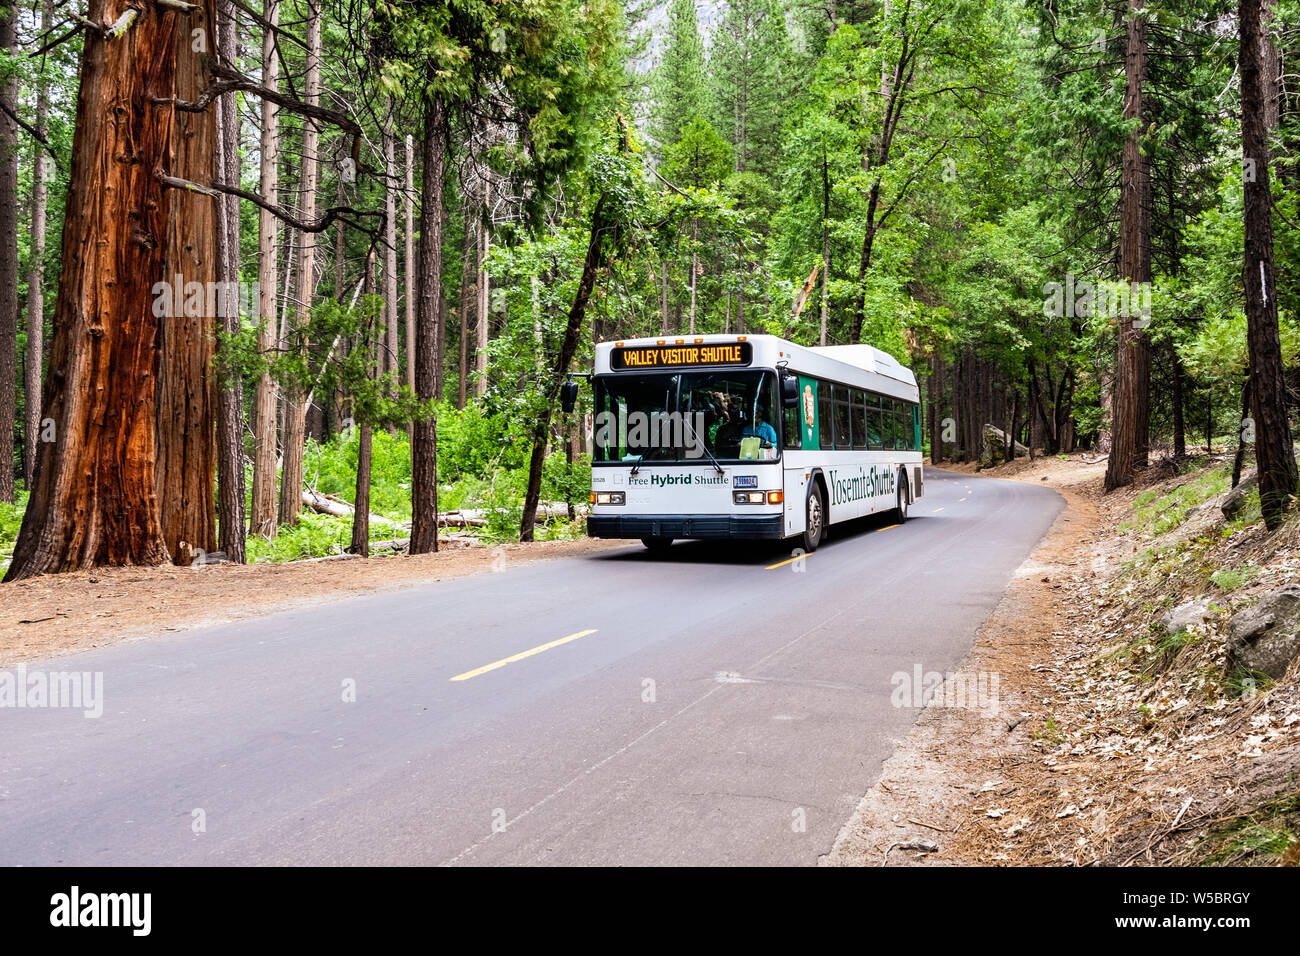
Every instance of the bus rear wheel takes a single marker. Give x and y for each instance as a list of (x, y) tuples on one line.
[(815, 521), (657, 544)]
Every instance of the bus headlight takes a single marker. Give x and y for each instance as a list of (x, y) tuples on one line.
[(610, 498), (748, 497)]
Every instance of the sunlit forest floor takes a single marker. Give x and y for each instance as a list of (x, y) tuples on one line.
[(1120, 737)]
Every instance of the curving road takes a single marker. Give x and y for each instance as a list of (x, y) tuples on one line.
[(718, 705)]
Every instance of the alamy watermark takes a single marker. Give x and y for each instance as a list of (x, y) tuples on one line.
[(1081, 298), (204, 300), (646, 430), (968, 690), (36, 690)]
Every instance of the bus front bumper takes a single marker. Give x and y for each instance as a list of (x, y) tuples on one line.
[(686, 526)]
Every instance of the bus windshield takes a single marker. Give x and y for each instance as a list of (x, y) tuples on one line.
[(679, 416)]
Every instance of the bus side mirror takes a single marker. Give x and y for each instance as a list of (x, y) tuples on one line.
[(790, 391), (569, 396)]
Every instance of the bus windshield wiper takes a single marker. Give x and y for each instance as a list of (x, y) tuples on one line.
[(637, 466), (703, 446)]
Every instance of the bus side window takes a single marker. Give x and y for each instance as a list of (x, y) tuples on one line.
[(843, 428), (874, 423), (890, 432), (792, 428), (824, 416), (859, 420)]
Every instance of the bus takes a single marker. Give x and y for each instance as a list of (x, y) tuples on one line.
[(748, 436)]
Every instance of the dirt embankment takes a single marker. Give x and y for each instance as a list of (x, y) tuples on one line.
[(1112, 742), (61, 614)]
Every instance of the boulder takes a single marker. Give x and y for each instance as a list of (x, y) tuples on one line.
[(1236, 499), (995, 447), (1185, 615), (1266, 637)]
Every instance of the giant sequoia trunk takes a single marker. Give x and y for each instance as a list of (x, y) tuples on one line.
[(94, 500), (424, 434), (185, 472), (1131, 401), (1273, 450)]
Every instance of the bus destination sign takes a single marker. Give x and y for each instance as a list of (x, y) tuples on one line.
[(679, 356)]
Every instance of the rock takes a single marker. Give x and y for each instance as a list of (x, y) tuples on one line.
[(995, 447), (1266, 637), (1185, 615), (1236, 499)]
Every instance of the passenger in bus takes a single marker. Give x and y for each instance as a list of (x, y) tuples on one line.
[(761, 430)]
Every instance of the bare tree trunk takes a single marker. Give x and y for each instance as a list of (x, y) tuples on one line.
[(1273, 448), (424, 444), (410, 264), (663, 298), (93, 501), (1132, 370), (392, 354), (483, 295), (591, 267), (295, 412), (826, 249), (185, 470), (262, 509), (695, 270), (36, 278), (360, 543), (230, 392), (8, 258)]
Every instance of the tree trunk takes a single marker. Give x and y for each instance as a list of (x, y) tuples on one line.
[(36, 278), (424, 444), (409, 262), (1239, 459), (483, 296), (1273, 449), (1180, 426), (295, 411), (1130, 401), (392, 353), (591, 267), (8, 257), (93, 501), (185, 470), (230, 391), (826, 249), (360, 543), (468, 294), (262, 510)]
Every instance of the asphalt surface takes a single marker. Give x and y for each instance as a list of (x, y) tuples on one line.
[(722, 707)]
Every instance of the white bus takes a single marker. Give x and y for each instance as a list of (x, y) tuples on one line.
[(735, 436)]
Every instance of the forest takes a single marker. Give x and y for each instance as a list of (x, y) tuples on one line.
[(286, 277)]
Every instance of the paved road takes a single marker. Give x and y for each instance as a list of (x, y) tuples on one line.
[(706, 708)]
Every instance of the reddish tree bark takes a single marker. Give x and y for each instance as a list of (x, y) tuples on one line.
[(94, 500), (185, 472)]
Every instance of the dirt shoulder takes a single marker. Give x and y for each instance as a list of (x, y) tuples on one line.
[(1105, 746), (62, 614)]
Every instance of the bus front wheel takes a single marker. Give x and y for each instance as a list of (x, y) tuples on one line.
[(900, 513), (815, 521)]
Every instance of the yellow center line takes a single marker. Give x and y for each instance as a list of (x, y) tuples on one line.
[(781, 564), (936, 511), (888, 526), (961, 499), (521, 655)]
